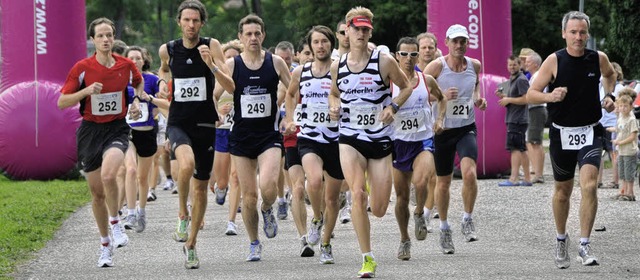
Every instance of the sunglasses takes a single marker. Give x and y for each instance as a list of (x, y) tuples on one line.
[(341, 32), (412, 54)]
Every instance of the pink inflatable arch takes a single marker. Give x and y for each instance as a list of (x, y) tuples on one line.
[(489, 26), (40, 42)]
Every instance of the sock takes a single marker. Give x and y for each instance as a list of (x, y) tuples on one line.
[(141, 211), (105, 241), (281, 199), (255, 242), (370, 254), (114, 220), (444, 225), (584, 240), (427, 212), (466, 216), (561, 236), (131, 211), (348, 195)]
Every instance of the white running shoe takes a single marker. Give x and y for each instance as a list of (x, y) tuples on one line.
[(232, 229), (120, 238), (106, 256)]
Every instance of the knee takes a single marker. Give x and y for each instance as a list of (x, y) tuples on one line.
[(379, 210), (359, 198), (469, 175), (250, 199), (298, 193), (187, 167)]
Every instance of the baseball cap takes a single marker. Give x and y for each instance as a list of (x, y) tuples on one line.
[(361, 21), (456, 31)]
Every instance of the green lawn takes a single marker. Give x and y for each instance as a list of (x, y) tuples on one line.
[(30, 213)]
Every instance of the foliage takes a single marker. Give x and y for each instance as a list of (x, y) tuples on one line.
[(31, 212), (535, 24)]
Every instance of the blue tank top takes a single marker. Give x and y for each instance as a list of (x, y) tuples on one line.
[(581, 75), (192, 89), (255, 97)]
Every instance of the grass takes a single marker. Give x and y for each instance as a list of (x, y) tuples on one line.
[(30, 214)]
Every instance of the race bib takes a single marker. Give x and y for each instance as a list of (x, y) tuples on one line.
[(458, 109), (574, 138), (297, 115), (410, 121), (227, 120), (318, 115), (256, 106), (190, 89), (144, 109), (364, 116), (106, 103)]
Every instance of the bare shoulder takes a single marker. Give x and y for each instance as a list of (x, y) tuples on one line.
[(434, 68), (476, 64)]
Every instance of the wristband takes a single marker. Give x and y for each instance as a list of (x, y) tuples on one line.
[(610, 95), (394, 107), (215, 69), (137, 97)]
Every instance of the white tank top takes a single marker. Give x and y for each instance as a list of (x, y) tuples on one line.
[(315, 123), (363, 96), (460, 112), (414, 121)]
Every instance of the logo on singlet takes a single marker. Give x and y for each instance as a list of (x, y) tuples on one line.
[(254, 77), (189, 61), (358, 90), (343, 82), (307, 84)]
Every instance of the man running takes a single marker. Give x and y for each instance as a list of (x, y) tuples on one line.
[(573, 101), (361, 99), (99, 84), (194, 64), (255, 142), (457, 75)]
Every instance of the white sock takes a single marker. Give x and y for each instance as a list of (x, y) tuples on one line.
[(370, 254), (561, 236), (281, 199), (584, 240), (444, 225), (105, 240), (131, 211), (427, 212), (141, 211), (466, 216), (114, 220)]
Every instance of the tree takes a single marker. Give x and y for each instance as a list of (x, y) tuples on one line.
[(622, 40)]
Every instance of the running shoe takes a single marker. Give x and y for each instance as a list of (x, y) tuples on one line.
[(270, 224), (191, 261), (585, 256), (436, 215), (342, 198), (420, 227), (427, 221), (106, 256), (326, 255), (130, 221), (120, 238), (368, 268), (174, 189), (142, 221), (446, 243), (181, 234), (168, 185), (255, 250), (221, 195), (283, 207), (469, 230), (345, 214), (315, 231), (151, 195), (562, 253), (232, 229), (404, 251), (305, 249)]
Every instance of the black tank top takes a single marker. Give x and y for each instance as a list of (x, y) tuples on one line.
[(192, 88), (581, 75), (255, 97)]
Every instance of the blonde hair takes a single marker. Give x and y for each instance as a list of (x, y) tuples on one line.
[(627, 92), (358, 11), (233, 44)]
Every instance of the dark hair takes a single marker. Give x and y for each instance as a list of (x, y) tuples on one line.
[(407, 41), (326, 31), (249, 19), (145, 56), (514, 58), (301, 44), (193, 5), (92, 26), (119, 47)]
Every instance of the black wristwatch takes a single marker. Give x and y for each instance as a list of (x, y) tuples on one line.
[(610, 95), (394, 107)]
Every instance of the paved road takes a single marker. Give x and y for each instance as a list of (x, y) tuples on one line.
[(514, 224)]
